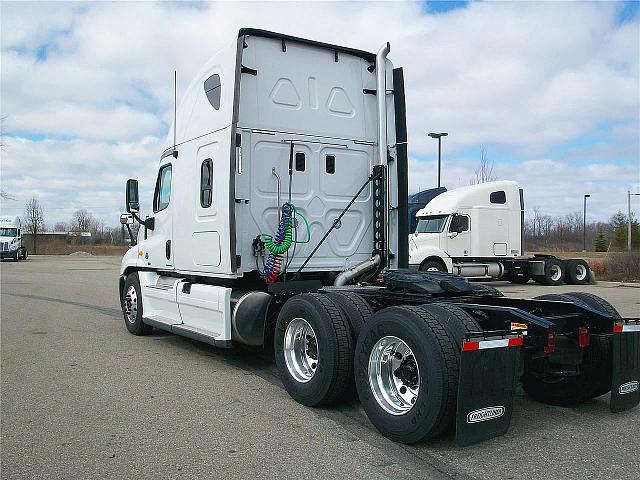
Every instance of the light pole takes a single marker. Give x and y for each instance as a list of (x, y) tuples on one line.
[(629, 218), (439, 137), (584, 224)]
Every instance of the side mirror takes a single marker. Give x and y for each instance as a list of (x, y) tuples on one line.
[(133, 203), (126, 219)]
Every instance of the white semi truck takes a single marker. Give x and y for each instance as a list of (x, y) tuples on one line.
[(280, 218), (477, 231), (11, 239)]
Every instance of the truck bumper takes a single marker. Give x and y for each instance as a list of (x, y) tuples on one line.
[(9, 253)]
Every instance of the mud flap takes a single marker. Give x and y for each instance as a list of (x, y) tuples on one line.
[(488, 371), (625, 385)]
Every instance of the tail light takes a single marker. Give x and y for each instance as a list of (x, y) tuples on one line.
[(551, 343), (583, 337)]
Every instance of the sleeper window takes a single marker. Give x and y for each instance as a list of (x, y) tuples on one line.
[(206, 183), (498, 197), (163, 189), (330, 164), (300, 162), (213, 88)]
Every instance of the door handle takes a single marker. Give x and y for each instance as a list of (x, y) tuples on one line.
[(168, 249)]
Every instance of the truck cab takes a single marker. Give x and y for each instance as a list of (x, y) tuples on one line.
[(475, 222), (11, 239), (280, 215)]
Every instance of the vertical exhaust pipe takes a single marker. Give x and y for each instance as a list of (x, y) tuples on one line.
[(381, 97)]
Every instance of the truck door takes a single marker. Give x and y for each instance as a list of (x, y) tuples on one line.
[(459, 236), (159, 246)]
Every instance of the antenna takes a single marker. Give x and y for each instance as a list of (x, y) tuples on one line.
[(175, 106)]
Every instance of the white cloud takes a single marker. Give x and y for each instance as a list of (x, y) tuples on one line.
[(523, 76)]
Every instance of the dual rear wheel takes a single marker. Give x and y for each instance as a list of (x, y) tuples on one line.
[(405, 361)]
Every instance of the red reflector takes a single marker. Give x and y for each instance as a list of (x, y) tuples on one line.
[(551, 343), (516, 342), (467, 346), (617, 328), (583, 337)]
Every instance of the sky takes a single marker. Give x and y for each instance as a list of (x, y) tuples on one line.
[(550, 91)]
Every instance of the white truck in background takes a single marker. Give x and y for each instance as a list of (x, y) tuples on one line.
[(477, 231), (11, 239)]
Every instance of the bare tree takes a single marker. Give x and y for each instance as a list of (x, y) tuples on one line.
[(61, 227), (484, 172), (82, 221), (34, 219)]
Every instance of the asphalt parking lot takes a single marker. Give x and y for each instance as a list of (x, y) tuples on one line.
[(82, 398)]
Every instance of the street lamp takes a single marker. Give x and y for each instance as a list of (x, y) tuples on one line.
[(629, 218), (584, 224), (439, 137)]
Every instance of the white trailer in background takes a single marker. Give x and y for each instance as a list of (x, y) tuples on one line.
[(478, 232), (11, 239)]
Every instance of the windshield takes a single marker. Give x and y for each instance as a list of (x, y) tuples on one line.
[(8, 232), (431, 224)]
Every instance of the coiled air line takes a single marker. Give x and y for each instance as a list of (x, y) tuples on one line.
[(281, 242)]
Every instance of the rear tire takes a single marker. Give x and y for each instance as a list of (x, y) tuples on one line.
[(577, 272), (429, 363), (132, 306), (595, 378), (355, 309), (553, 273), (314, 350)]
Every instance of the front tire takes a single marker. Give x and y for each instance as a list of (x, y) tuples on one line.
[(314, 350), (132, 306), (406, 374), (432, 266)]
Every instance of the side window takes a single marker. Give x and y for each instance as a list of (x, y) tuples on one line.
[(206, 183), (498, 197), (300, 162), (162, 195), (212, 89), (459, 223)]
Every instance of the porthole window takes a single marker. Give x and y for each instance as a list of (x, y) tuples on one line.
[(206, 183), (212, 88)]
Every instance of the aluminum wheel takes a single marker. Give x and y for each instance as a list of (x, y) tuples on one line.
[(131, 304), (581, 272), (433, 269), (394, 376), (556, 272), (301, 350)]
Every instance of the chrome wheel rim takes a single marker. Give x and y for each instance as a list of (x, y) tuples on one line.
[(433, 269), (301, 350), (556, 272), (131, 304), (394, 376), (581, 272)]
